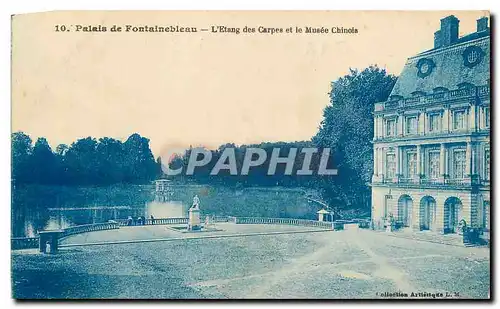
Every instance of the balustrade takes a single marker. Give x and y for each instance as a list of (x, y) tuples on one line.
[(33, 242), (283, 221), (90, 228), (17, 243), (441, 96)]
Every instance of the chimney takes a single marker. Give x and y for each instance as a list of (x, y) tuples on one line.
[(437, 39), (449, 30), (482, 24)]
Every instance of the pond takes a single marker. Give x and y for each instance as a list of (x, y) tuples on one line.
[(36, 207)]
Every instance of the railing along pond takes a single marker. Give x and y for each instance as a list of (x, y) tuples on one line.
[(78, 229), (33, 242), (362, 223), (161, 221), (166, 221), (17, 243), (283, 221)]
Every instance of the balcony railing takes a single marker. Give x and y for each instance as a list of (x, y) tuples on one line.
[(461, 181), (433, 134), (483, 90), (409, 181), (438, 97), (431, 181)]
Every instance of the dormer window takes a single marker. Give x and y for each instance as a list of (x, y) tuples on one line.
[(425, 67), (472, 56), (395, 97), (418, 93), (465, 86), (440, 89)]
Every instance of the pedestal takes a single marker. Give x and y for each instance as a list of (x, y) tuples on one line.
[(194, 222)]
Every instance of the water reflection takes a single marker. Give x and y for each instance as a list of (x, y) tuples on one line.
[(166, 210), (26, 222), (37, 208)]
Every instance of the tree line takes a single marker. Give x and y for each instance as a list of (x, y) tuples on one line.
[(87, 161), (257, 175)]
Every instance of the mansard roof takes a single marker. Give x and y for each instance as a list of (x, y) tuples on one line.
[(447, 67)]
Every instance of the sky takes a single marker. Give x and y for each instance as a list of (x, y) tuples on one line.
[(199, 89)]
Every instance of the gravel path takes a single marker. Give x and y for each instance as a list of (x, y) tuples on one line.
[(343, 264)]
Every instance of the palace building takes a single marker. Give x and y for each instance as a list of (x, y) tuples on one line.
[(432, 136)]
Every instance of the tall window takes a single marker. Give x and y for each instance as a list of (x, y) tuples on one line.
[(434, 122), (459, 120), (434, 164), (411, 125), (459, 164), (487, 164), (390, 127), (411, 164), (390, 165), (487, 117)]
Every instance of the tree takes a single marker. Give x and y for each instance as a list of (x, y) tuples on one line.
[(81, 162), (139, 162), (61, 149), (85, 162), (44, 166), (347, 128), (21, 152), (159, 171), (109, 160)]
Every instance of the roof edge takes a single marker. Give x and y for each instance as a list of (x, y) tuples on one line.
[(444, 49)]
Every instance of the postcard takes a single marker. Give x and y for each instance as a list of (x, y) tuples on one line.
[(339, 155)]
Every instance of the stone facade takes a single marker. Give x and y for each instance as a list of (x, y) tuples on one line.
[(432, 137)]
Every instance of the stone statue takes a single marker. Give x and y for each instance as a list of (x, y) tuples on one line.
[(462, 227), (194, 215), (196, 202)]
